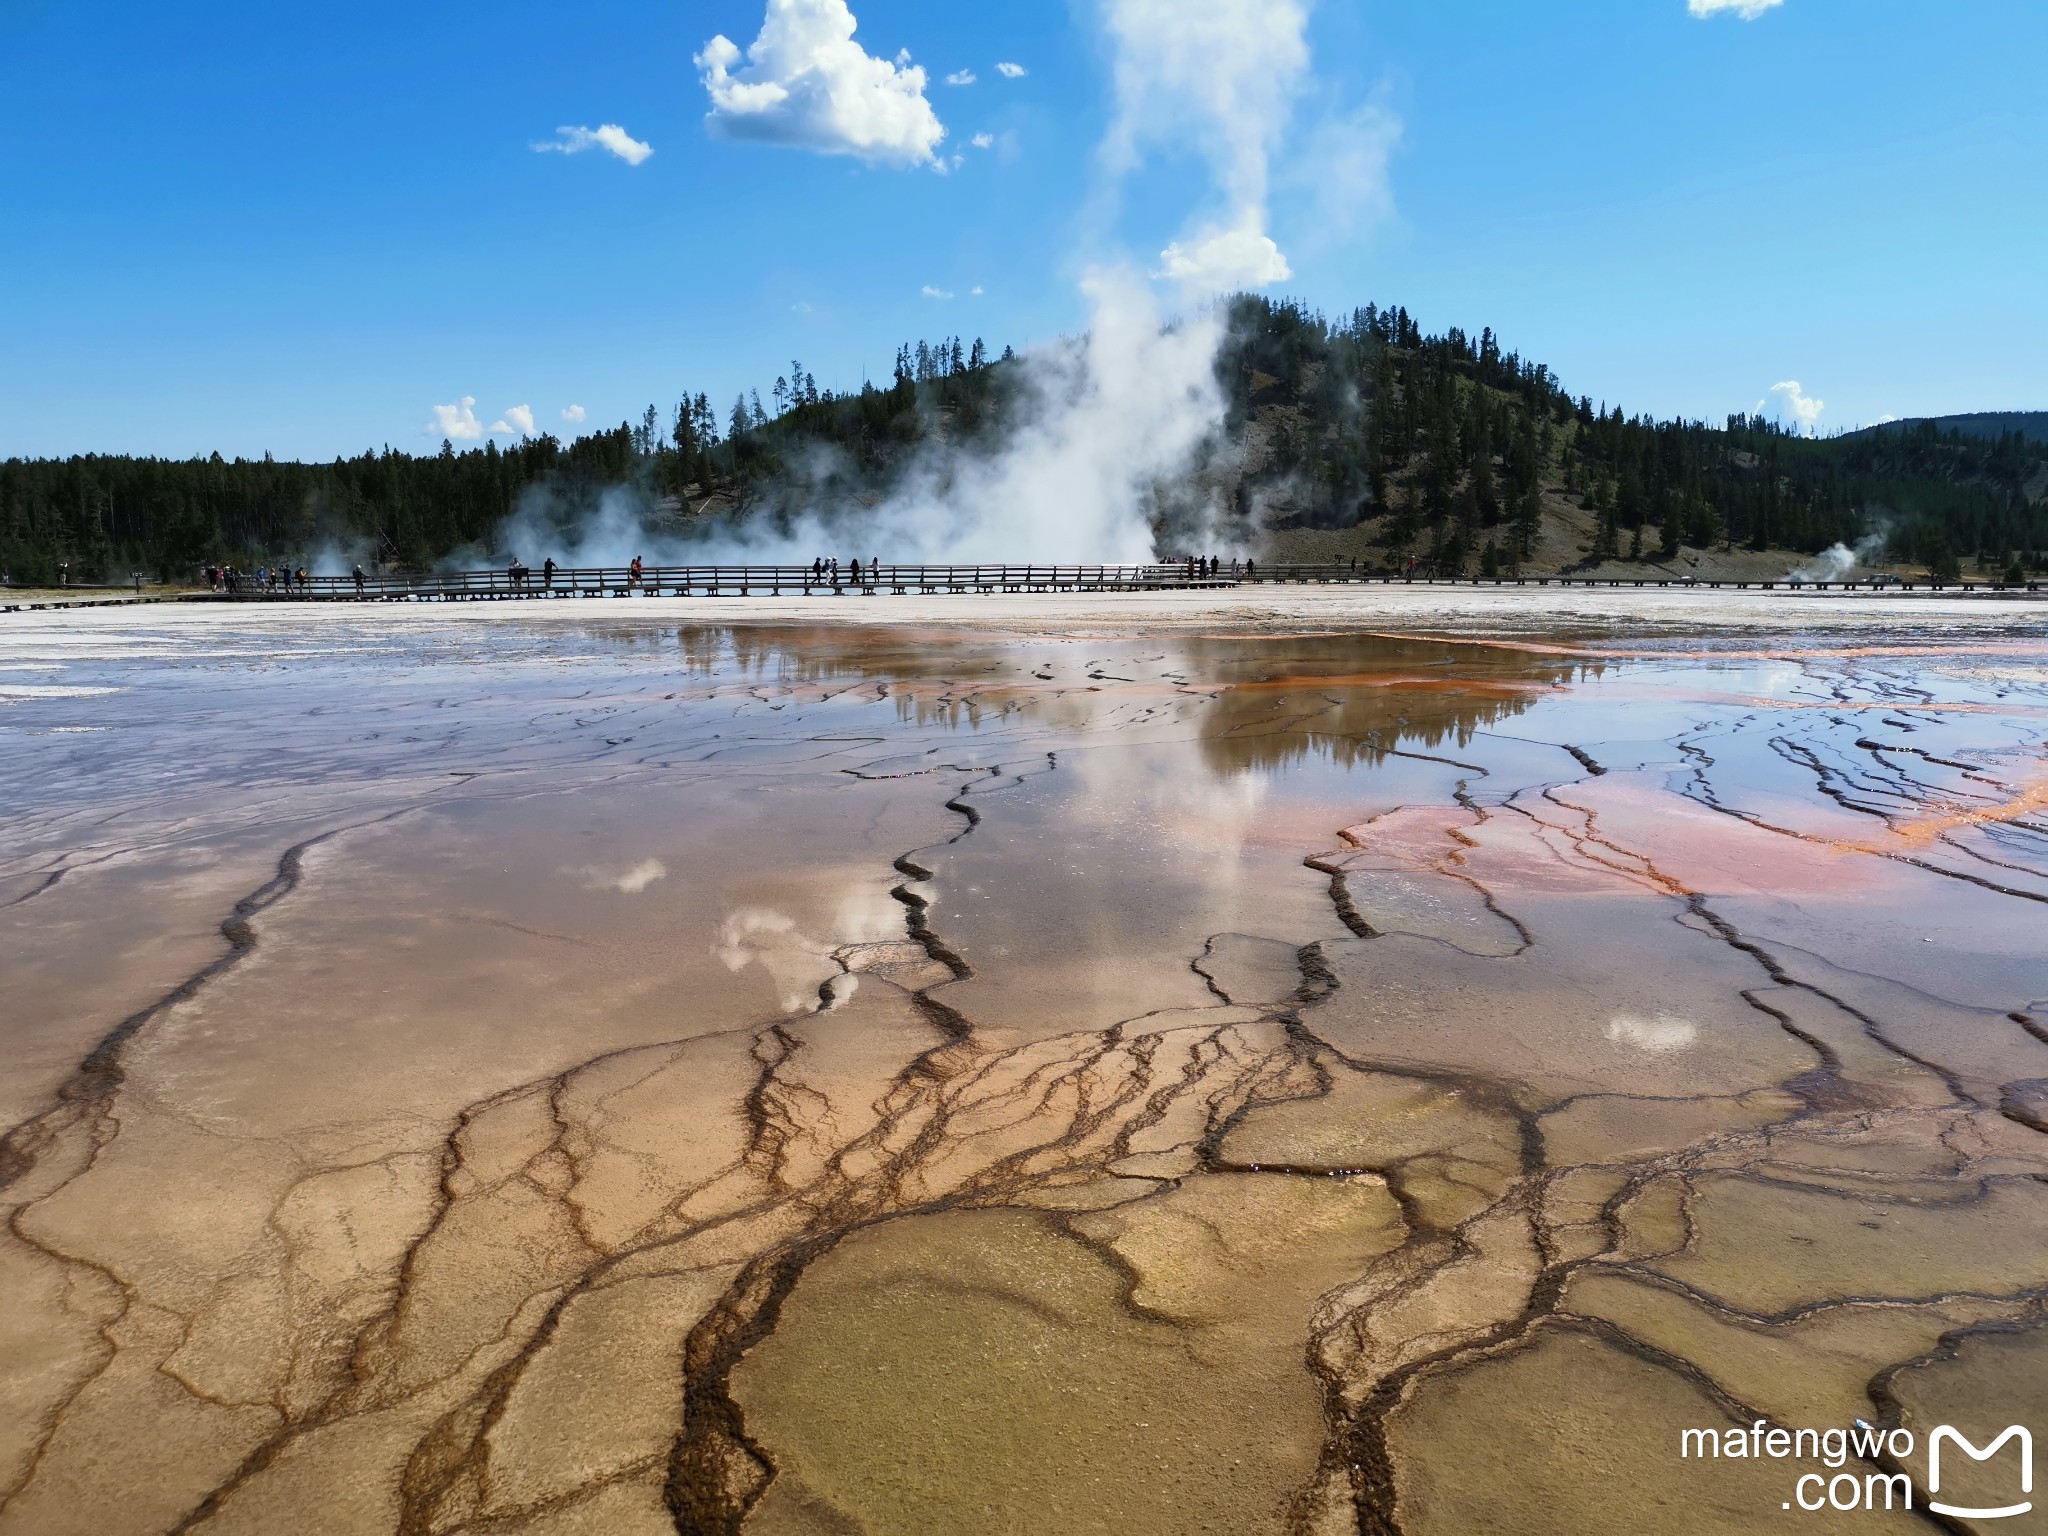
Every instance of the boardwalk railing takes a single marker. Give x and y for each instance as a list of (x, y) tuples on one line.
[(730, 580), (1344, 572), (928, 579)]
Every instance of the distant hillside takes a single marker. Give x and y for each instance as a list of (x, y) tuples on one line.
[(1992, 424), (1363, 438), (1353, 437)]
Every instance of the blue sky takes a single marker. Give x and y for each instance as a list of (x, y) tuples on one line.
[(239, 228)]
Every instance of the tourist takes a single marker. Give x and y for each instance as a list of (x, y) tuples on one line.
[(633, 573), (547, 573), (359, 581)]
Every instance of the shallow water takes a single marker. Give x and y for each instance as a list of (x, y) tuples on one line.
[(638, 1077)]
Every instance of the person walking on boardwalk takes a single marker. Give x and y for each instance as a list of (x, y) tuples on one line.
[(633, 573), (856, 570), (359, 581), (547, 573)]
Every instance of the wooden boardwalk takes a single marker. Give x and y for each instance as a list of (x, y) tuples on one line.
[(947, 580), (922, 580)]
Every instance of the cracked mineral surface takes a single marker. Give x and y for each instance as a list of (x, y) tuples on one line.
[(629, 1076)]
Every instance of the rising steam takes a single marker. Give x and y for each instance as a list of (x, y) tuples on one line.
[(1838, 562), (1109, 427)]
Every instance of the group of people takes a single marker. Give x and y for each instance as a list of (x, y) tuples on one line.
[(517, 572), (265, 578), (826, 568), (1200, 568)]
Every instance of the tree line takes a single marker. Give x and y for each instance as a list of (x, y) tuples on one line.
[(1446, 443)]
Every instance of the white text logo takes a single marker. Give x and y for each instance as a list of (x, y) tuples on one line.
[(2014, 1432)]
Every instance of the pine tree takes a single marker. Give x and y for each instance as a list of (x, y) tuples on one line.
[(1675, 515), (1529, 521)]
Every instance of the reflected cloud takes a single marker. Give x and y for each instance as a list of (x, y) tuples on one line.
[(798, 961), (1663, 1033), (630, 882)]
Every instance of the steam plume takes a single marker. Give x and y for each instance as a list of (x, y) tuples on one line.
[(1838, 562), (1109, 425)]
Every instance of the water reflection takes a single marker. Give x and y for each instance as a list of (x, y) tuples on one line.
[(1254, 703)]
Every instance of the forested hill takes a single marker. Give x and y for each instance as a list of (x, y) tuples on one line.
[(2031, 424), (1448, 446), (1441, 447)]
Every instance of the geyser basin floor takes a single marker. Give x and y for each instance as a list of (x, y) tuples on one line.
[(600, 1072)]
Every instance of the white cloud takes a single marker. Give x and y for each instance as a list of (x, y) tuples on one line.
[(1221, 258), (518, 418), (983, 141), (457, 422), (961, 77), (934, 293), (975, 291), (1221, 75), (1748, 10), (1797, 404), (573, 413), (1011, 71), (610, 137), (808, 84)]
